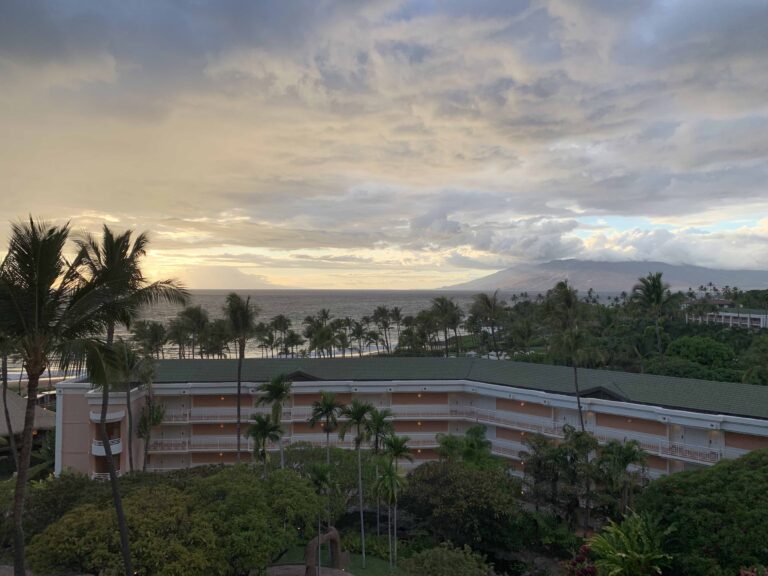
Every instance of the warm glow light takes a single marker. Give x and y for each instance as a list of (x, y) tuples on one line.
[(221, 398)]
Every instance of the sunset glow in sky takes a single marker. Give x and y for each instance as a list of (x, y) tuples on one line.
[(390, 144)]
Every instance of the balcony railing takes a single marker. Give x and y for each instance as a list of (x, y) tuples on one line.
[(103, 475), (652, 444), (115, 445)]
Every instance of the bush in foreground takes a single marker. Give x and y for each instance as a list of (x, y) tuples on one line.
[(446, 559)]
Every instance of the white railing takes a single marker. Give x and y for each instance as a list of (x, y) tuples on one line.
[(115, 445), (103, 475), (650, 443)]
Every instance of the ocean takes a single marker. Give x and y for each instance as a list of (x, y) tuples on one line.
[(298, 304)]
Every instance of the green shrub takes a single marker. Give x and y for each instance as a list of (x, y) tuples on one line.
[(446, 559)]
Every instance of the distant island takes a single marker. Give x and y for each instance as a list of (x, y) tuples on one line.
[(613, 277)]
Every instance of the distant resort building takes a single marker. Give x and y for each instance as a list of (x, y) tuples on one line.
[(681, 423), (748, 318)]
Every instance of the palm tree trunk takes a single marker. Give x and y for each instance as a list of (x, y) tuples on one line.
[(11, 437), (445, 337), (241, 353), (394, 532), (360, 494), (129, 413), (578, 394), (389, 533), (658, 341), (33, 379), (328, 447), (378, 503), (122, 526), (493, 338)]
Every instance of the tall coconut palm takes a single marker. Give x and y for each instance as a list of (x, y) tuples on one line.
[(276, 393), (573, 345), (242, 320), (357, 415), (179, 334), (196, 321), (490, 309), (263, 431), (654, 296), (390, 484), (152, 415), (113, 264), (378, 427), (103, 366), (443, 310), (327, 411), (45, 307), (396, 448), (131, 369)]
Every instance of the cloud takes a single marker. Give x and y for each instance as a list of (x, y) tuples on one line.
[(390, 136)]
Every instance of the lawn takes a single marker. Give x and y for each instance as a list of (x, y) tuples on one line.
[(374, 566)]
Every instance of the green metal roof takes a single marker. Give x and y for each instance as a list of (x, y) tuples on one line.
[(682, 393)]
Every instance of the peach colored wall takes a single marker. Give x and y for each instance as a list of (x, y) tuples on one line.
[(528, 408), (218, 401), (745, 441), (632, 424), (399, 398), (214, 458), (76, 434), (304, 428), (656, 463), (424, 454), (308, 399), (214, 429), (511, 435), (412, 426)]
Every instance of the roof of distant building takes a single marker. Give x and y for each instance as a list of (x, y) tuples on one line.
[(679, 393), (44, 419)]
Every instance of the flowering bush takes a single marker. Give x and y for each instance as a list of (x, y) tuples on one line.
[(581, 564)]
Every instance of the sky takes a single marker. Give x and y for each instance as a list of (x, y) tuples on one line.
[(390, 144)]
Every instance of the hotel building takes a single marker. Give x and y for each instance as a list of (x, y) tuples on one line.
[(681, 423)]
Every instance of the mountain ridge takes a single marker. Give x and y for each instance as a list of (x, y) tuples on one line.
[(604, 276)]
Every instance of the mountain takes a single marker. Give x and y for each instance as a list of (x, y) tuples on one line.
[(613, 277)]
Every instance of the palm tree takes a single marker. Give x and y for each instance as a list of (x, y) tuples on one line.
[(613, 467), (389, 484), (179, 334), (442, 308), (326, 410), (357, 415), (654, 296), (264, 430), (276, 393), (151, 337), (102, 364), (573, 345), (396, 448), (130, 369), (490, 310), (114, 265), (378, 428), (45, 308), (151, 415), (196, 321), (241, 315)]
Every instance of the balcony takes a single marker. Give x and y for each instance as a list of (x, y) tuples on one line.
[(111, 416), (656, 445), (115, 445), (103, 476)]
